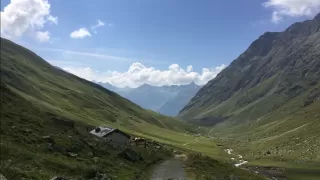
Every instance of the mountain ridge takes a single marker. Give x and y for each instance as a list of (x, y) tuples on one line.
[(167, 99), (266, 103), (266, 57)]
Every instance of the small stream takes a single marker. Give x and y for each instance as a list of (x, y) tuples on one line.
[(237, 158)]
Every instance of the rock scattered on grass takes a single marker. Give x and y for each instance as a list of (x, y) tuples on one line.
[(59, 178), (2, 177)]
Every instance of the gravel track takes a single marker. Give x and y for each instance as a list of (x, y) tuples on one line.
[(169, 170)]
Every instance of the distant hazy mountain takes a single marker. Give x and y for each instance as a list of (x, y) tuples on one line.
[(168, 100), (175, 104), (120, 91)]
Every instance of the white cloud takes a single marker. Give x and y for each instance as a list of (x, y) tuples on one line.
[(139, 74), (80, 33), (292, 8), (189, 68), (84, 32), (99, 24), (91, 55), (54, 20), (21, 17), (43, 36), (86, 54)]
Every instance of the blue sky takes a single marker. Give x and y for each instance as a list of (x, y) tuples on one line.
[(151, 35)]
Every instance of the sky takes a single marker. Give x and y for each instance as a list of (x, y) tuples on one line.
[(157, 42)]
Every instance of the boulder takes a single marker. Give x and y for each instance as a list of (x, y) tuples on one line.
[(90, 154), (2, 177), (95, 160), (72, 154), (100, 176), (268, 152), (130, 155), (59, 178), (50, 147), (60, 149), (28, 131), (48, 139)]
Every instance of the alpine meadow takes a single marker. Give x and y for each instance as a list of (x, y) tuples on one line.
[(141, 90)]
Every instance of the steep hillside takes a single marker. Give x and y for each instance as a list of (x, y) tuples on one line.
[(30, 77), (266, 104), (46, 114), (167, 100), (39, 144), (276, 68)]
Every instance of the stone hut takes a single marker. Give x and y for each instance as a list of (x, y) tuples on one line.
[(111, 134)]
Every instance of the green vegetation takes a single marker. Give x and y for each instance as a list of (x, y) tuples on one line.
[(265, 105), (287, 138), (37, 145), (38, 101), (205, 168), (46, 114)]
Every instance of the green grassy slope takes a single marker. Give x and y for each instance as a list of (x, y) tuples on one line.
[(39, 100), (46, 114), (27, 153), (288, 137), (266, 104), (200, 167), (29, 76), (52, 90)]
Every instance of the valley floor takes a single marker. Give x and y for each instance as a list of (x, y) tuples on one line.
[(273, 166)]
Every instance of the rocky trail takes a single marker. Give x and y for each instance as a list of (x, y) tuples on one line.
[(171, 169)]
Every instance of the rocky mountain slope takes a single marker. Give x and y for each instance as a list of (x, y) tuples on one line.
[(277, 66), (266, 104), (167, 100)]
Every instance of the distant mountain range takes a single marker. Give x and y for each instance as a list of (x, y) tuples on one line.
[(167, 100)]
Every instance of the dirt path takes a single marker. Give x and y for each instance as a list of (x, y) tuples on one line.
[(169, 170)]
